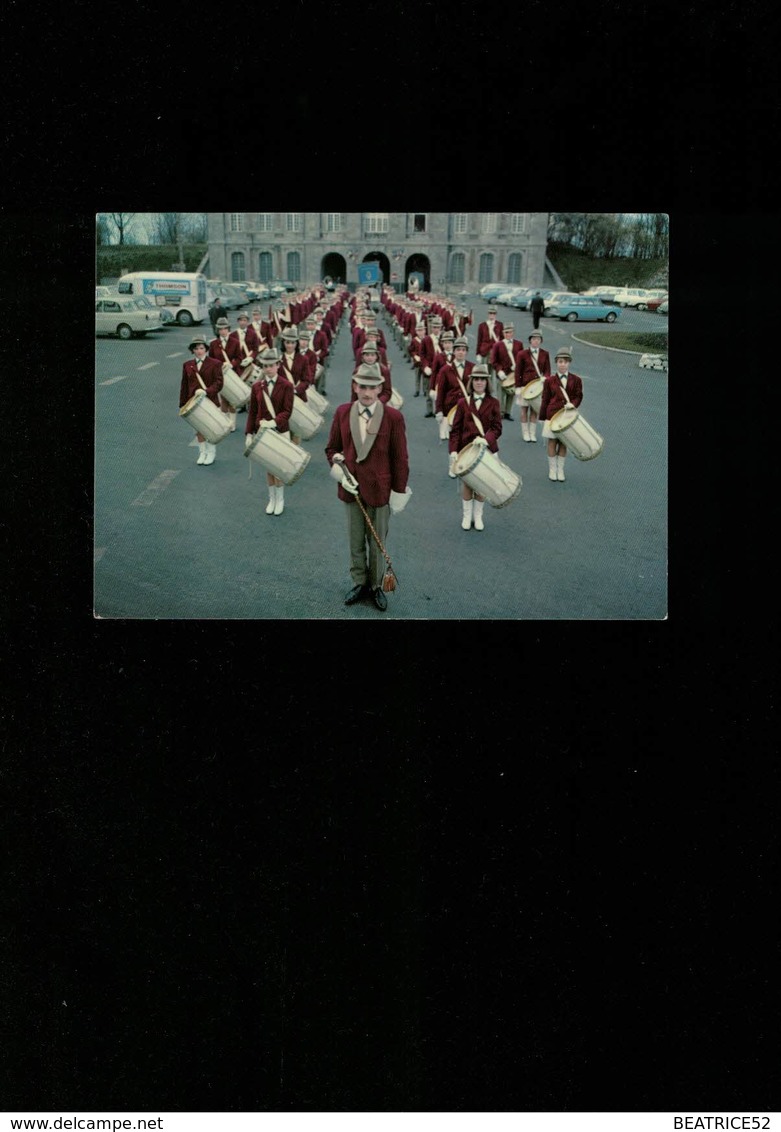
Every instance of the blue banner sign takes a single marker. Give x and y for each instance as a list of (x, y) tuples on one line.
[(369, 273)]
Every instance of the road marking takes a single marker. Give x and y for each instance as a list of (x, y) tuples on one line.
[(176, 355), (112, 380), (99, 552), (158, 485), (149, 365)]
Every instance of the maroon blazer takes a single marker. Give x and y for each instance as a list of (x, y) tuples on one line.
[(385, 468), (449, 390), (387, 388), (303, 372), (484, 341), (281, 400), (500, 356), (211, 376), (441, 360), (232, 349), (261, 335), (464, 429), (428, 352), (251, 338), (525, 371), (553, 397)]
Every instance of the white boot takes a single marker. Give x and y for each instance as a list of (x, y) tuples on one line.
[(233, 421), (466, 522), (525, 430), (201, 451), (479, 505), (211, 452), (560, 468), (450, 462), (279, 506), (272, 500), (552, 468), (532, 426), (444, 429)]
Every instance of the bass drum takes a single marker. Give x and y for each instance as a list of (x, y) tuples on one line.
[(235, 391), (278, 455), (583, 441), (485, 473), (396, 400), (204, 416), (304, 421), (317, 401), (531, 394)]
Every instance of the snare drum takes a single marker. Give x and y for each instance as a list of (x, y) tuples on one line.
[(206, 418), (508, 382), (278, 455), (583, 441), (484, 472), (234, 389), (317, 401), (531, 394), (304, 421), (396, 400)]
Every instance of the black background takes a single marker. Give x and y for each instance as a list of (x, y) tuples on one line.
[(335, 867)]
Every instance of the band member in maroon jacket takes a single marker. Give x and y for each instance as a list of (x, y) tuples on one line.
[(248, 343), (226, 349), (504, 357), (307, 356), (461, 321), (533, 364), (368, 440), (274, 386), (488, 334), (209, 371), (465, 431), (442, 360), (293, 367), (452, 385), (416, 356), (369, 357), (260, 326), (554, 398), (430, 347)]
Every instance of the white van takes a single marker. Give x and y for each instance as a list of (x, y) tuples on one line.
[(182, 293)]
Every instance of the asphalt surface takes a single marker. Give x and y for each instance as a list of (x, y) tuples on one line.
[(178, 540)]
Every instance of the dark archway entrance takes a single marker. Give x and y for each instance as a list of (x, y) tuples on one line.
[(382, 260), (419, 262), (335, 266)]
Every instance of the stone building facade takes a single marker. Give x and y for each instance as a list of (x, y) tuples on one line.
[(453, 251)]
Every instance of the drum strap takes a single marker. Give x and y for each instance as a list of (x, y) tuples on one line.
[(564, 391), (478, 422), (200, 379), (534, 363)]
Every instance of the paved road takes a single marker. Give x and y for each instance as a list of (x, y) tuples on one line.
[(175, 540)]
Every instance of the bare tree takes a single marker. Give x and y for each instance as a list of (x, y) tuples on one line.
[(195, 227), (122, 222), (102, 231), (165, 227)]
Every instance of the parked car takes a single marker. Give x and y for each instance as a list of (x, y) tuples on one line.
[(506, 297), (662, 308), (232, 296), (125, 317), (653, 361), (604, 292), (574, 308), (489, 291), (167, 316), (280, 286), (636, 297), (519, 293), (654, 304), (524, 300), (557, 297), (102, 292)]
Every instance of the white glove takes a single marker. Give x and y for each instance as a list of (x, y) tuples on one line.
[(268, 424), (427, 371), (569, 406), (480, 442), (338, 457), (247, 361), (248, 439), (452, 458), (438, 416), (399, 500), (350, 485), (336, 471)]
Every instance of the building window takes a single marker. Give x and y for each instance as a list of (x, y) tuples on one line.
[(236, 221), (333, 221), (518, 226), (294, 221), (294, 266), (265, 267), (457, 261), (486, 268), (459, 223), (419, 222), (514, 268), (375, 222), (489, 224), (265, 221), (237, 267)]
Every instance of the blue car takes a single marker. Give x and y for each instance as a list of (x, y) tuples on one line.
[(584, 308)]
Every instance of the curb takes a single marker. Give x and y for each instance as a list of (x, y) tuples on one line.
[(614, 349)]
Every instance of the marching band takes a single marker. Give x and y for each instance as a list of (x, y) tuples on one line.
[(275, 368)]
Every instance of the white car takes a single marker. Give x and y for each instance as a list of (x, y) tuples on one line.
[(104, 292), (125, 317), (636, 297)]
